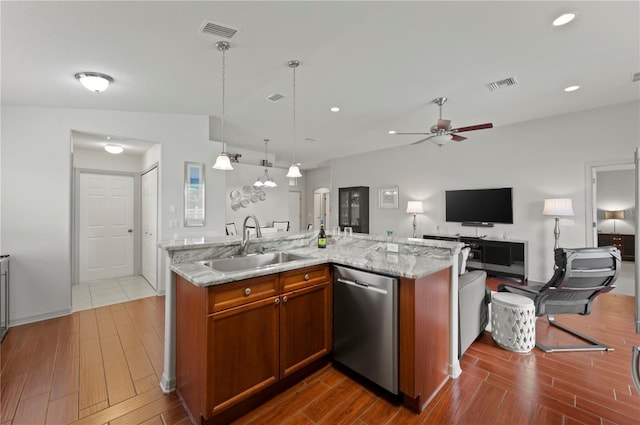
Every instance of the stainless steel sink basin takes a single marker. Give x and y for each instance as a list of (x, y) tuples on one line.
[(251, 261)]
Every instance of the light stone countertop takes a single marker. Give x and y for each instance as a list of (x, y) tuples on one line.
[(415, 257)]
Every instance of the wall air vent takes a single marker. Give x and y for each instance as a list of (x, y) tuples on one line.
[(274, 97), (216, 28), (499, 85), (635, 77)]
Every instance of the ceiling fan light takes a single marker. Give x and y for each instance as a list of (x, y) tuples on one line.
[(294, 171), (270, 183), (114, 149), (258, 183), (223, 163), (441, 139), (94, 81), (571, 88), (392, 132)]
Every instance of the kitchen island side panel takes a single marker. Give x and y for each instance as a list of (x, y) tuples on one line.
[(424, 337), (191, 313)]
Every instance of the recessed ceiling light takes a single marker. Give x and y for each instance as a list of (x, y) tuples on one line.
[(114, 149), (571, 88), (563, 19), (335, 109), (94, 81), (392, 132)]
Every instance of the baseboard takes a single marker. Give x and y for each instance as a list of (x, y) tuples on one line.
[(39, 317)]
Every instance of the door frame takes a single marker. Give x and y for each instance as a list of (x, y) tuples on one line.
[(138, 218), (591, 231), (75, 219)]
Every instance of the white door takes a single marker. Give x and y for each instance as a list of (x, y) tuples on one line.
[(106, 226), (150, 226), (294, 211), (317, 200)]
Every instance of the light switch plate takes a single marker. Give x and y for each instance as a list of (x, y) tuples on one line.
[(172, 208)]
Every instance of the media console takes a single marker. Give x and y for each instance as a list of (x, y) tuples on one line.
[(498, 257)]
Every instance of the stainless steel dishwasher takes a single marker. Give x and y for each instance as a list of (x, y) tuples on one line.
[(365, 325)]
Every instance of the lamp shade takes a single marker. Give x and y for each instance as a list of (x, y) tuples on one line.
[(558, 207), (618, 215), (223, 163), (414, 207), (294, 171)]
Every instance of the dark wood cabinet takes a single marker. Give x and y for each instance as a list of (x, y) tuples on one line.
[(496, 256), (626, 244), (235, 341), (353, 208)]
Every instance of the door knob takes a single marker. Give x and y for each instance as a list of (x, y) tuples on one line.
[(130, 230)]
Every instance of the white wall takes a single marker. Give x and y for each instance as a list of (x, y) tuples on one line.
[(616, 192), (102, 160), (539, 159), (274, 207), (35, 195)]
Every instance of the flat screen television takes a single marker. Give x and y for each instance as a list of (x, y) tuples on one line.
[(479, 207)]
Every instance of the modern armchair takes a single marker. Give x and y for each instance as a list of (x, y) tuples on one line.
[(581, 275)]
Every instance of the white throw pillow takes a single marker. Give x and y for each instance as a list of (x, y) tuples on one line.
[(464, 255)]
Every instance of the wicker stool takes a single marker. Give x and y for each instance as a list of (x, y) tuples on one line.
[(513, 322)]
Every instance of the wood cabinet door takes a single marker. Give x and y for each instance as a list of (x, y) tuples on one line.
[(243, 353), (305, 327)]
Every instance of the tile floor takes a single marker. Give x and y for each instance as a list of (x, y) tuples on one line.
[(98, 293)]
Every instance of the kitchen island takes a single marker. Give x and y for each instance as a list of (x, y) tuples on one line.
[(427, 274)]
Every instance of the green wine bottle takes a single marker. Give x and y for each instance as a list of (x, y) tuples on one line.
[(322, 236)]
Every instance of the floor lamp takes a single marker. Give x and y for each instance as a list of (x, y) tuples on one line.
[(414, 207), (557, 207)]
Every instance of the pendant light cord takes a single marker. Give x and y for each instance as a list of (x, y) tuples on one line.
[(294, 115), (224, 147)]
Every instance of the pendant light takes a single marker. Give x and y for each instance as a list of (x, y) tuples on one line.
[(222, 161), (265, 180), (294, 171)]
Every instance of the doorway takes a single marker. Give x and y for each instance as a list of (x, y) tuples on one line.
[(613, 217), (295, 199), (149, 224), (321, 207)]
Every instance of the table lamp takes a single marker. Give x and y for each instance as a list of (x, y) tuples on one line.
[(615, 215), (414, 207), (557, 207)]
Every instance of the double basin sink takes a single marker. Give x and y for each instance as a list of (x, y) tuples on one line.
[(251, 261)]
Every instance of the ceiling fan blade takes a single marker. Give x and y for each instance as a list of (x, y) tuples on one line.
[(457, 138), (421, 140), (410, 134), (473, 127), (443, 124)]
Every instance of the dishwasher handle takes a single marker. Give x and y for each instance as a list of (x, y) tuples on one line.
[(361, 285)]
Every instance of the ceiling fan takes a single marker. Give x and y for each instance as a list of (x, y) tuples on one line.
[(442, 133)]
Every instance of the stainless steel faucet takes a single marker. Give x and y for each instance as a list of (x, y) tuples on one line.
[(245, 234)]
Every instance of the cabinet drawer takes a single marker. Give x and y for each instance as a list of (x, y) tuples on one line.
[(296, 279), (616, 239), (221, 297)]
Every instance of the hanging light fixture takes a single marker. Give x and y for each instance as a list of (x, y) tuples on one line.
[(294, 171), (265, 180), (222, 161)]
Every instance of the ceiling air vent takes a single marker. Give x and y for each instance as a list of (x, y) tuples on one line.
[(635, 77), (499, 85), (216, 28), (274, 97)]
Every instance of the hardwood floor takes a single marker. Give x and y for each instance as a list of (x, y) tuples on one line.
[(103, 366)]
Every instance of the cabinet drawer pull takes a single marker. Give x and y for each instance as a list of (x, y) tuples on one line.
[(306, 276), (247, 292), (284, 299), (277, 301)]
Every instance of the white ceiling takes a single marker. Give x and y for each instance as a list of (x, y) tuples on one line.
[(381, 62)]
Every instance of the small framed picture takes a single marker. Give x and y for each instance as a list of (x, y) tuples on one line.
[(388, 197), (194, 214)]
